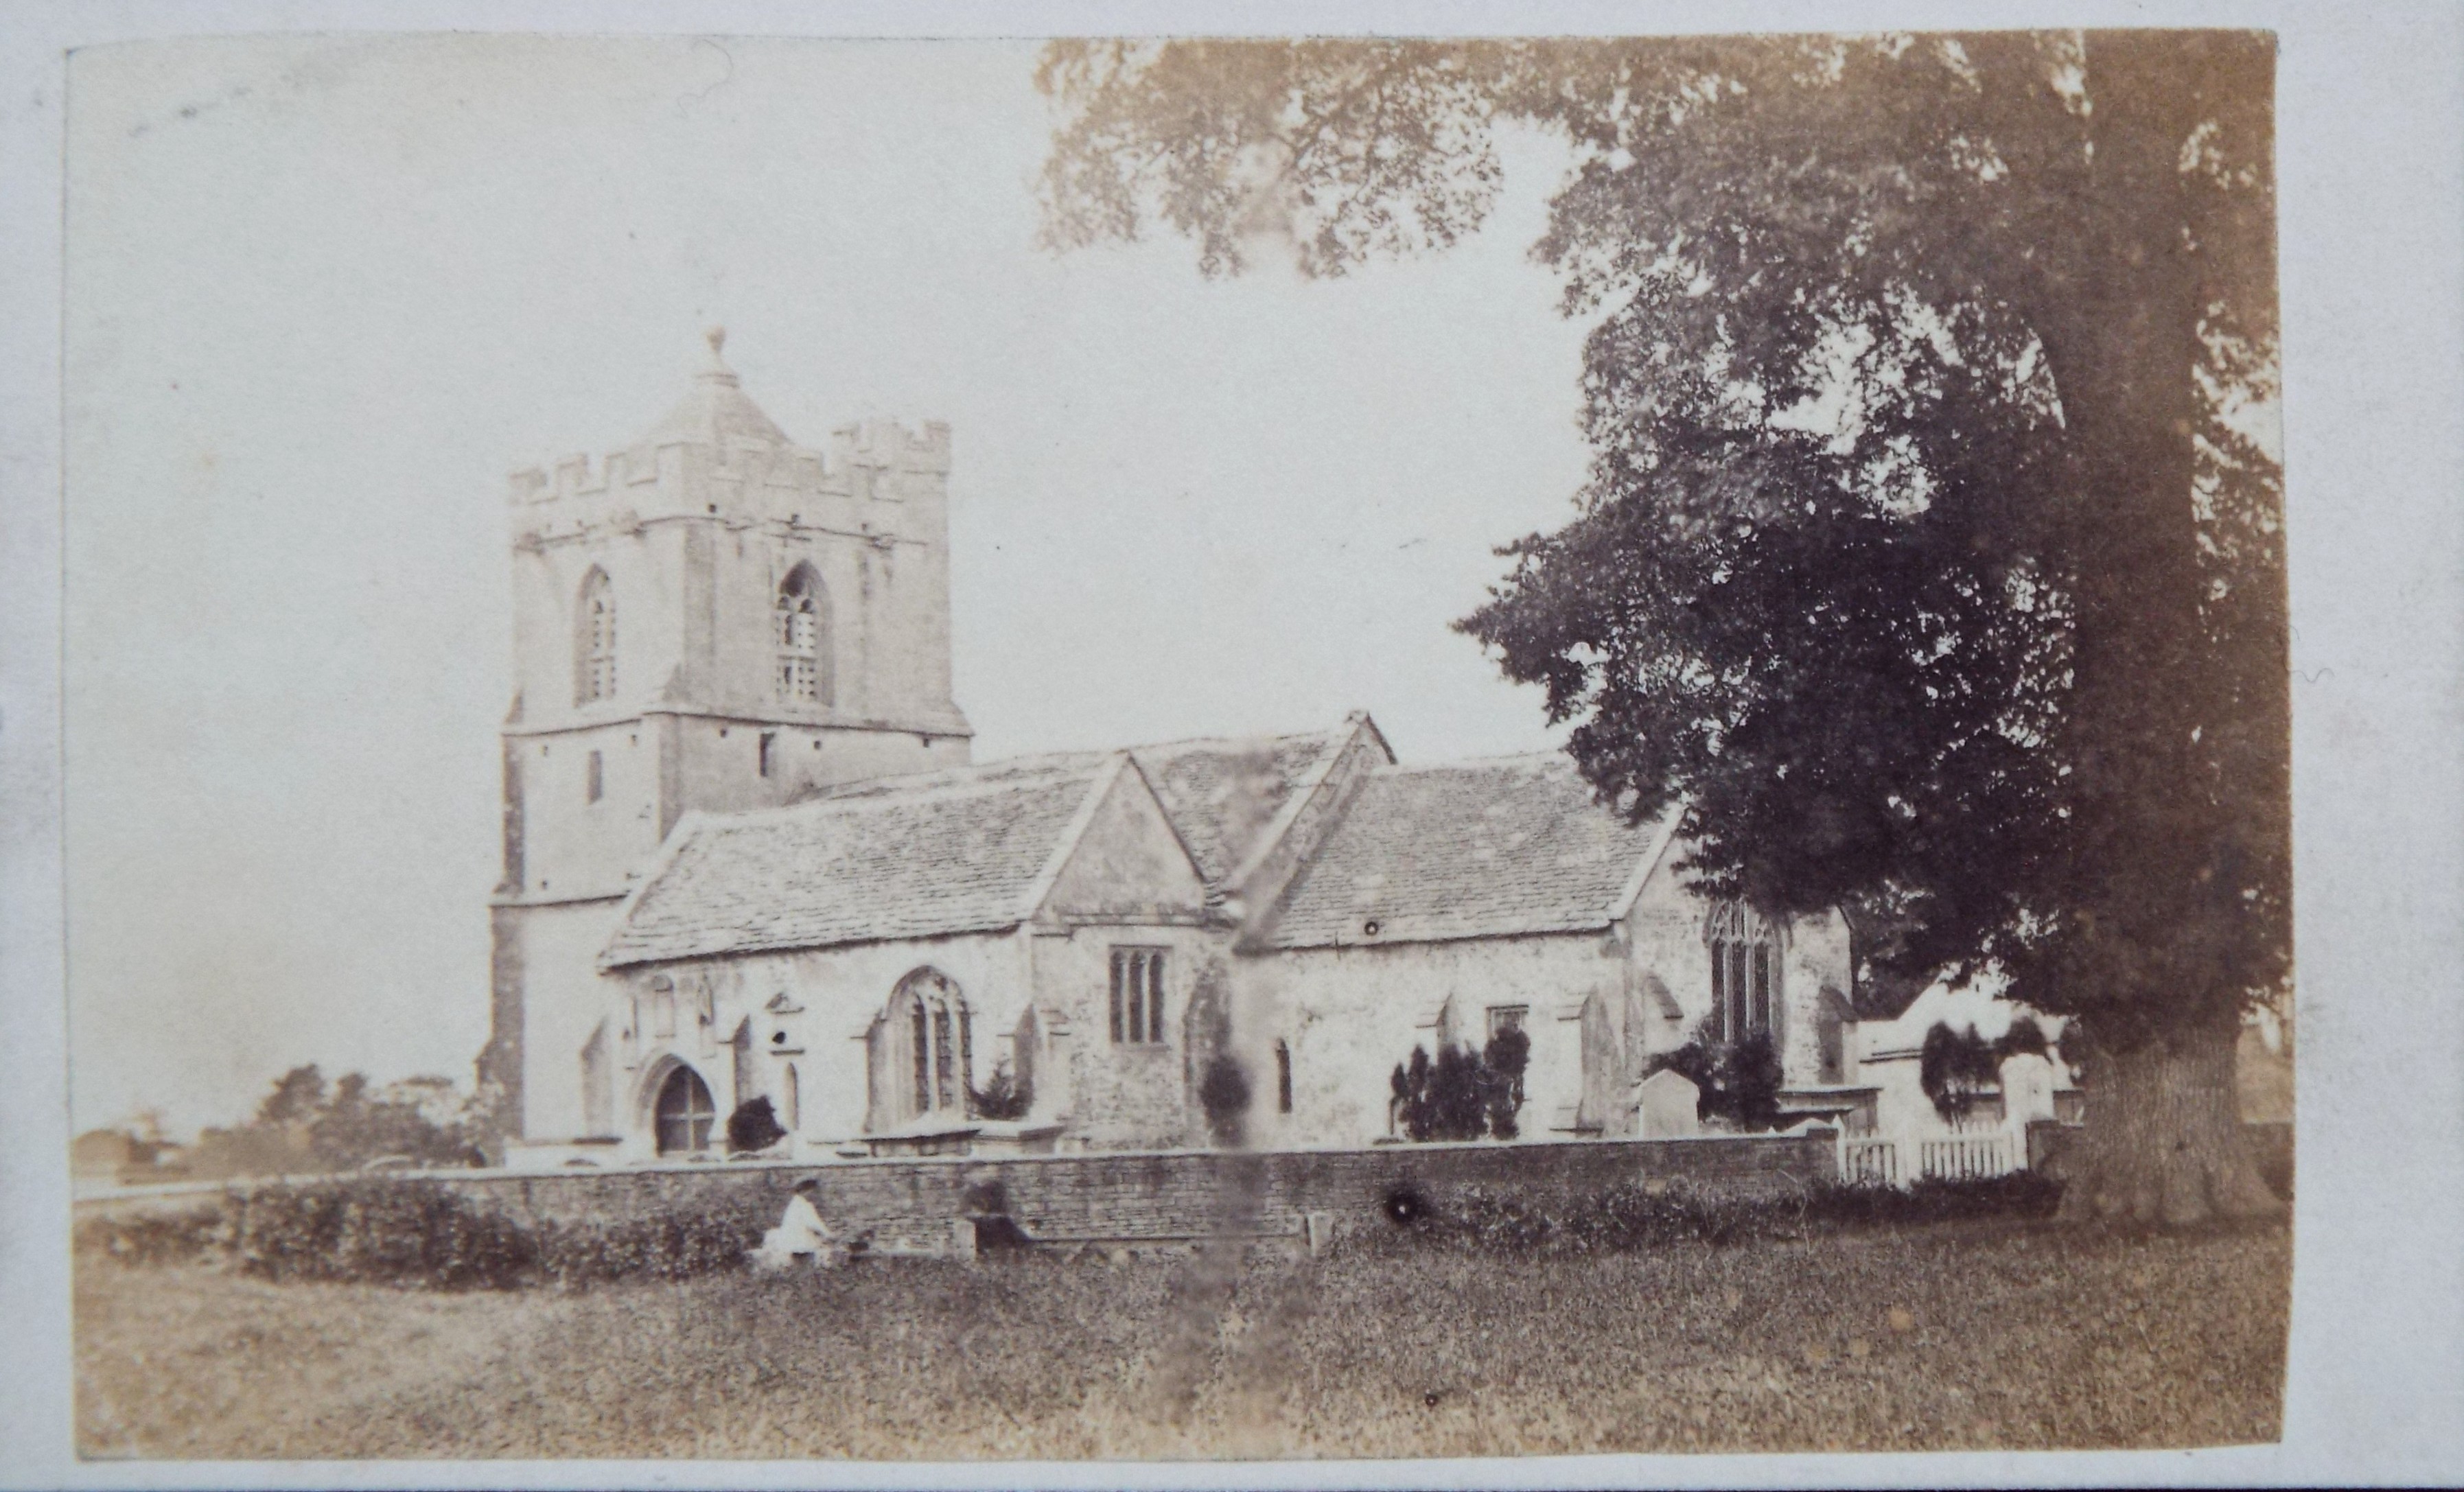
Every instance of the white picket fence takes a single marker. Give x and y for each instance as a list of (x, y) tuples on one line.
[(1960, 1157), (1869, 1162)]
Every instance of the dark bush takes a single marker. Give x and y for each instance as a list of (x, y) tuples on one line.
[(1223, 1094), (1465, 1093), (1739, 1081), (1955, 1068), (753, 1127), (666, 1246), (1002, 1096), (409, 1231), (380, 1230)]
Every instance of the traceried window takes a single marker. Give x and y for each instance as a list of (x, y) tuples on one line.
[(803, 634), (1138, 996), (1744, 972), (1507, 1018), (920, 1052), (594, 640)]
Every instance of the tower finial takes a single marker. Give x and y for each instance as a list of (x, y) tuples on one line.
[(716, 337)]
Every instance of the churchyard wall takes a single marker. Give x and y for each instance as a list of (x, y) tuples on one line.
[(1133, 1198)]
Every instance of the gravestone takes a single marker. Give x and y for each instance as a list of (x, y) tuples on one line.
[(1670, 1104)]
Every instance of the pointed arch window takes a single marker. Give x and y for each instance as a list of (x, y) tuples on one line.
[(1744, 972), (801, 627), (594, 640), (684, 1112), (920, 1052)]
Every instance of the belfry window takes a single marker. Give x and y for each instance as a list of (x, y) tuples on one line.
[(800, 621), (1744, 972), (594, 642)]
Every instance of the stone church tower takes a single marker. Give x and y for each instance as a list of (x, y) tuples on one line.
[(714, 618)]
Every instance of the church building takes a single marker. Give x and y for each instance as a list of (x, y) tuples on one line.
[(747, 855)]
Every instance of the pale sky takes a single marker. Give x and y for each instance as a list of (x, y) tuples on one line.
[(323, 296)]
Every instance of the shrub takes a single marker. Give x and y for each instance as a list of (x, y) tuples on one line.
[(380, 1230), (1464, 1093), (1652, 1214), (409, 1231), (1739, 1081), (1223, 1094), (1002, 1096), (664, 1245), (753, 1127), (1509, 1055), (1956, 1068)]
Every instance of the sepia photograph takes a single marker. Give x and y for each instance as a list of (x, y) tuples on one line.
[(1176, 749)]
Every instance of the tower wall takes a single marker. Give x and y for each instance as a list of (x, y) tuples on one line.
[(697, 528)]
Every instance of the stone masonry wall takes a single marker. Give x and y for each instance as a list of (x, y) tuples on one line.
[(1151, 1195)]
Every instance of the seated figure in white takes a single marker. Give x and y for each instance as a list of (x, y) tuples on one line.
[(800, 1237)]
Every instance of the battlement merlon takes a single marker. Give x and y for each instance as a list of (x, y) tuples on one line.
[(887, 443)]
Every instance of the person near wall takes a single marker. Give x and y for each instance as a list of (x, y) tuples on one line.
[(800, 1237)]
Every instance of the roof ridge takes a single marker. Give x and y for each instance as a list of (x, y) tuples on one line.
[(1462, 763)]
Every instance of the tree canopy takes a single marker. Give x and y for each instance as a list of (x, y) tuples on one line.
[(1931, 550)]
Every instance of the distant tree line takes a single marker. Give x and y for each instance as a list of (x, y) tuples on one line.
[(307, 1125)]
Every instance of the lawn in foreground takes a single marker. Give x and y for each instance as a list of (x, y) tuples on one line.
[(1949, 1337)]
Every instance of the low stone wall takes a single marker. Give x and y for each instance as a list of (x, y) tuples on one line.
[(1178, 1194), (1127, 1197)]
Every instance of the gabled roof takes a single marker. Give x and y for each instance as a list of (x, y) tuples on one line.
[(965, 849), (1224, 793), (1513, 845), (930, 855)]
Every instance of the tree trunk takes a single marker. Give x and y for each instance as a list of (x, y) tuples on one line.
[(2164, 1143)]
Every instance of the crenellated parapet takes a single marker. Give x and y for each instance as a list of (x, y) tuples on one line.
[(887, 444), (872, 470)]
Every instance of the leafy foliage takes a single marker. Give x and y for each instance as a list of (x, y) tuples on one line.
[(1507, 1057), (1649, 1215), (1932, 549), (305, 1126), (753, 1127), (1739, 1081), (1957, 1067), (1464, 1093), (1223, 1095), (1002, 1096), (421, 1233)]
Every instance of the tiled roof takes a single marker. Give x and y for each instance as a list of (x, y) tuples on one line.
[(920, 856), (1222, 793), (1468, 849)]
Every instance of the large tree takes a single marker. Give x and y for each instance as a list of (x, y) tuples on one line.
[(1931, 550)]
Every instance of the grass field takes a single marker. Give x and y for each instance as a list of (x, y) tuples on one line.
[(1959, 1335)]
